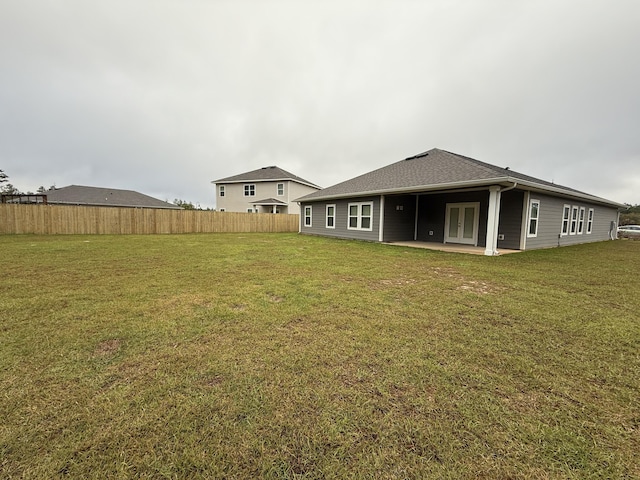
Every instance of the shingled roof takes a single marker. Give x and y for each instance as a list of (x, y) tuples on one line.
[(104, 197), (265, 174), (438, 170)]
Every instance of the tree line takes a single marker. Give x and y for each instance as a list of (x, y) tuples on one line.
[(7, 188), (630, 216)]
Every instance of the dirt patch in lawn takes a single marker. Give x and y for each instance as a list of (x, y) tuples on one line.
[(107, 348)]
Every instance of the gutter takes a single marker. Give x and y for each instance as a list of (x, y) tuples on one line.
[(475, 183), (412, 189)]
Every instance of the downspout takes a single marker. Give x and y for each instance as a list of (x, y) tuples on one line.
[(515, 184), (523, 224)]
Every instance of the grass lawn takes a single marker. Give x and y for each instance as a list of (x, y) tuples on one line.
[(287, 356)]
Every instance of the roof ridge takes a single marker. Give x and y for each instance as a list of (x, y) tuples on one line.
[(254, 175), (487, 166)]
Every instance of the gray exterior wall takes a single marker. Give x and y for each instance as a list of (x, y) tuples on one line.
[(510, 225), (550, 222), (319, 219), (400, 214), (399, 218)]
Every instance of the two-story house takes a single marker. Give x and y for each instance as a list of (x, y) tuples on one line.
[(265, 190)]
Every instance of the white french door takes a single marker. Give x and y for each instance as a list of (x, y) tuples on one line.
[(461, 223)]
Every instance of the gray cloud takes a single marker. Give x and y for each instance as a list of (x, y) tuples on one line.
[(163, 97)]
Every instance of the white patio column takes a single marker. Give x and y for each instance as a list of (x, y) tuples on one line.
[(381, 226), (493, 217)]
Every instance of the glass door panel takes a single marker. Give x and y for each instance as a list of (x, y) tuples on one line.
[(454, 215), (469, 222)]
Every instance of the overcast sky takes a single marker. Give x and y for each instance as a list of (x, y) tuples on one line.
[(163, 97)]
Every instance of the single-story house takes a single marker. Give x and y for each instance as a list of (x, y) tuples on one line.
[(439, 196), (103, 197)]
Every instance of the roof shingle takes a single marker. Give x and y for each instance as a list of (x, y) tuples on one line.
[(431, 170), (107, 197), (265, 174)]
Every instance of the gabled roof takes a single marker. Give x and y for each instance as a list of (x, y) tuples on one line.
[(104, 197), (268, 201), (265, 174), (440, 170)]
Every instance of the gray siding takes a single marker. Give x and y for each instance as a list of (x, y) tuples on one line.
[(399, 218), (432, 210), (510, 219), (550, 223), (319, 220)]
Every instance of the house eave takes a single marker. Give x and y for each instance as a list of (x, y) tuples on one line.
[(485, 182), (536, 187), (413, 189)]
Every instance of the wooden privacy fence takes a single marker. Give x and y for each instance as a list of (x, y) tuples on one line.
[(72, 219)]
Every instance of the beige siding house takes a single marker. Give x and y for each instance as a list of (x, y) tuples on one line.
[(266, 190)]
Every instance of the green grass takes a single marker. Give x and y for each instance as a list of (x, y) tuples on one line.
[(287, 356)]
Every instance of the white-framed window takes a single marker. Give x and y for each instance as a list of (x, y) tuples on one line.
[(360, 215), (223, 209), (249, 190), (590, 221), (249, 210), (280, 189), (574, 220), (221, 190), (566, 215), (534, 215), (581, 221), (331, 216), (307, 215)]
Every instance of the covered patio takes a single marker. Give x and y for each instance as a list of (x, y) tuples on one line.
[(449, 247)]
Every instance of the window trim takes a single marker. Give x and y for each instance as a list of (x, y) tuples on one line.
[(333, 217), (531, 218), (221, 190), (573, 229), (308, 216), (590, 216), (278, 190), (251, 188), (581, 215), (564, 229), (359, 216)]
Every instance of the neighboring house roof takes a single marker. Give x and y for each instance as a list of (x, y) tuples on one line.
[(265, 174), (268, 201), (439, 170), (104, 197)]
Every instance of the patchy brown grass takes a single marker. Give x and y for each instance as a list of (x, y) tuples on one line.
[(280, 356)]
